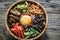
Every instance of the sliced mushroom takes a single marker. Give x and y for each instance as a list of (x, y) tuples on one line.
[(11, 19), (15, 17), (15, 12)]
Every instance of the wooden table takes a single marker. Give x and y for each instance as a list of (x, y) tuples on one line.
[(53, 10)]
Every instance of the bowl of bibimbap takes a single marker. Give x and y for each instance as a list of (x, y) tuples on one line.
[(26, 20)]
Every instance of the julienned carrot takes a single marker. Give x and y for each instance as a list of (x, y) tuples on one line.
[(18, 30), (22, 33)]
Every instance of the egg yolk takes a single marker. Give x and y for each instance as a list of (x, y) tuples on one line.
[(25, 20)]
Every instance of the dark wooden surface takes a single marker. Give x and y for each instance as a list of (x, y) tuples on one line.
[(53, 10)]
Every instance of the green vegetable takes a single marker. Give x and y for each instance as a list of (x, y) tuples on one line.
[(31, 32), (25, 11), (26, 33), (22, 6), (35, 31), (26, 3)]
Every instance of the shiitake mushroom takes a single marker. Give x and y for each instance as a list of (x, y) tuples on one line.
[(14, 17), (15, 12)]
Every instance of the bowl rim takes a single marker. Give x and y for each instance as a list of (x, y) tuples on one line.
[(25, 38)]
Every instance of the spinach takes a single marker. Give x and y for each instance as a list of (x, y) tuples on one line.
[(31, 32)]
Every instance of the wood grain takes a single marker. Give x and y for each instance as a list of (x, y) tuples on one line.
[(53, 9)]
